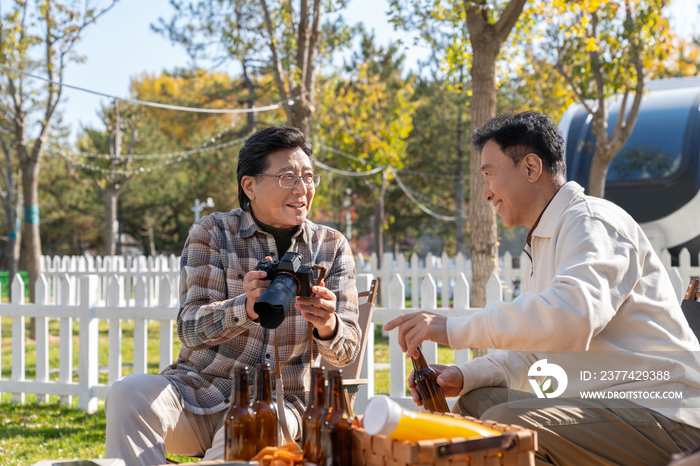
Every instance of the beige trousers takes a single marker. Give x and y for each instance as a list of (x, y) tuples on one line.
[(572, 431), (146, 418)]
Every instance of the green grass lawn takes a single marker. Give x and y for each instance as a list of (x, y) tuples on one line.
[(32, 432)]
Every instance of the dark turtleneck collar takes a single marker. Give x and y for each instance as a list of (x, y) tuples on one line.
[(283, 236)]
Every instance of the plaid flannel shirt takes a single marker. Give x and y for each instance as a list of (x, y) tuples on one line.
[(216, 333)]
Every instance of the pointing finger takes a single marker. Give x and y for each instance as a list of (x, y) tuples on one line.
[(391, 325)]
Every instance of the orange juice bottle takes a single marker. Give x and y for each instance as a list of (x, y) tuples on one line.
[(384, 416)]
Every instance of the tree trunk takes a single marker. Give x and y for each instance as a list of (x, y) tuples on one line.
[(32, 240), (379, 221), (11, 247), (13, 212), (301, 87), (251, 116), (599, 172), (377, 245), (482, 214), (302, 112), (15, 237), (486, 39), (151, 241), (382, 197), (459, 185), (111, 197)]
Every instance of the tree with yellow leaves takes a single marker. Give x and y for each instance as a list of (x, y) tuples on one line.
[(367, 112), (193, 88), (605, 49)]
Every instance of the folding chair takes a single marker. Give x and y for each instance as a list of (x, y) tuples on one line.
[(351, 373), (691, 308)]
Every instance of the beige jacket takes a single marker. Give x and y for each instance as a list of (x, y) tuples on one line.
[(594, 286)]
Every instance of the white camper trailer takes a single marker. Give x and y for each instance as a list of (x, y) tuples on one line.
[(656, 175)]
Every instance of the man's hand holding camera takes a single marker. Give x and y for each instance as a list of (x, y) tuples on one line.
[(319, 309), (254, 284)]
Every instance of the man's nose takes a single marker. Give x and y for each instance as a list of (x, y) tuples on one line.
[(487, 194), (300, 188)]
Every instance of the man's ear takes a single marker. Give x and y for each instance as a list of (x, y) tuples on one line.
[(247, 183), (533, 165)]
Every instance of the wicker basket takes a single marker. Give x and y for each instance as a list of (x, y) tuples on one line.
[(516, 447)]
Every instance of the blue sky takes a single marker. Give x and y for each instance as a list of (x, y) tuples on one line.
[(121, 45)]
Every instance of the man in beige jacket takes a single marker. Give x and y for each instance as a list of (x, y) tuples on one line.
[(597, 315)]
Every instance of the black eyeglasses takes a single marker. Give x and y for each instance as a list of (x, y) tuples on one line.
[(291, 181)]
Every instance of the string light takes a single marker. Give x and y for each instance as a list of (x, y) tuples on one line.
[(156, 104), (176, 157), (172, 159), (204, 148), (348, 173), (406, 172), (420, 205)]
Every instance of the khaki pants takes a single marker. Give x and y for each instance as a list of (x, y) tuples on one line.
[(146, 418), (572, 431)]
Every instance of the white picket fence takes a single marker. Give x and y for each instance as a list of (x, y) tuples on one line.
[(87, 307), (128, 269), (143, 290), (446, 270)]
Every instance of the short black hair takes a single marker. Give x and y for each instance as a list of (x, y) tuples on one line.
[(519, 134), (252, 158)]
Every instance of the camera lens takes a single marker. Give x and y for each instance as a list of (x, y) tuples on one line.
[(273, 305)]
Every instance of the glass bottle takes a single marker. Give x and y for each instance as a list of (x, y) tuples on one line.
[(336, 433), (430, 392), (239, 421), (310, 423), (264, 411)]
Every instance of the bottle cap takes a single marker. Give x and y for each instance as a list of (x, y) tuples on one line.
[(382, 415)]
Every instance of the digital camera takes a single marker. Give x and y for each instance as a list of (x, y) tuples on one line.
[(289, 279)]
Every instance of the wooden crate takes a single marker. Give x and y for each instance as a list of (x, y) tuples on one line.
[(516, 447)]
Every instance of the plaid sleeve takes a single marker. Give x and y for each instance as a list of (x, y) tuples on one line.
[(343, 348), (208, 316)]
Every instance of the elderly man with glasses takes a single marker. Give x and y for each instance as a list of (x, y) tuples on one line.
[(181, 410)]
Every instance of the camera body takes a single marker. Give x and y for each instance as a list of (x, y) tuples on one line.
[(288, 279)]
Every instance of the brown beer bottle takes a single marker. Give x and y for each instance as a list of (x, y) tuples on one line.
[(266, 427), (311, 422), (427, 387), (336, 433), (239, 423)]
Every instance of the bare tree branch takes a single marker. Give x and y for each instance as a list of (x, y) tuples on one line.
[(621, 135), (303, 40), (621, 115), (310, 82), (560, 68), (509, 18), (277, 64), (7, 174)]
